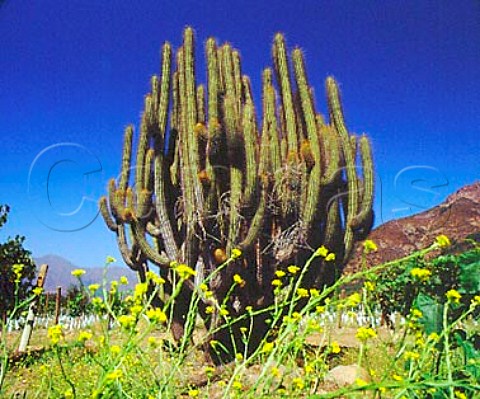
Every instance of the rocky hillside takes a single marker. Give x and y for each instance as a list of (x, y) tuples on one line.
[(457, 217)]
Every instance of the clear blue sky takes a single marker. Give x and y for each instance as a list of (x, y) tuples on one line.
[(76, 72)]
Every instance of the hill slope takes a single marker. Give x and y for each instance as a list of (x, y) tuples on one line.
[(457, 217)]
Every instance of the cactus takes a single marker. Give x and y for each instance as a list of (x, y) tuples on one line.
[(211, 181)]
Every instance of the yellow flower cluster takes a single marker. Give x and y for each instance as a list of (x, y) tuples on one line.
[(156, 315), (237, 279), (84, 336), (453, 296), (365, 333), (55, 334), (369, 246), (323, 252), (184, 271), (293, 269), (152, 276), (127, 321), (236, 253), (17, 270), (420, 274), (443, 241), (354, 300), (78, 272)]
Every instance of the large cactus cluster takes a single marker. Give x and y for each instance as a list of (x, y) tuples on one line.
[(215, 177)]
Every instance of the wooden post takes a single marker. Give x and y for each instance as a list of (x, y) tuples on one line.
[(58, 300), (28, 328)]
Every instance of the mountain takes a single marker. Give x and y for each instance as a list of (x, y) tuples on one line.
[(60, 269), (458, 217)]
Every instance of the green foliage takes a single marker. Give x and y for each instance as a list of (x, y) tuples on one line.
[(425, 283), (17, 269)]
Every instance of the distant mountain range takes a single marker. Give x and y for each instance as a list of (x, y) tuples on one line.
[(60, 269)]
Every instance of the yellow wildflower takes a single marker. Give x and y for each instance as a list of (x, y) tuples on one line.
[(330, 257), (443, 241), (209, 309), (275, 371), (302, 292), (110, 259), (239, 357), (84, 336), (420, 274), (238, 280), (309, 369), (37, 291), (248, 308), (453, 296), (334, 347), (267, 347), (78, 272), (93, 287), (280, 273), (55, 334), (115, 349), (140, 290), (320, 309), (236, 253), (369, 286), (184, 271), (17, 270), (193, 393), (293, 269), (314, 292), (126, 321), (460, 395), (237, 385), (397, 377), (416, 313), (277, 283), (156, 315), (123, 280), (369, 246), (360, 382), (354, 300), (322, 251), (365, 333), (152, 276), (298, 383), (224, 312)]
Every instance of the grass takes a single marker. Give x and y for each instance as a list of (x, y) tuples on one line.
[(135, 357)]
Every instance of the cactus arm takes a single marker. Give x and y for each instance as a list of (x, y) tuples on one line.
[(364, 213), (112, 226), (283, 76), (314, 180), (250, 139), (257, 222), (329, 138), (336, 115)]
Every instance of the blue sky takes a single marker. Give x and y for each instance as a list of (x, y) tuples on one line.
[(73, 74)]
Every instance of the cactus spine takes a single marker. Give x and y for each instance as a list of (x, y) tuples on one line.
[(220, 180)]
